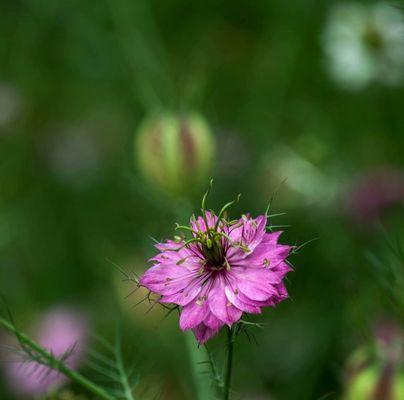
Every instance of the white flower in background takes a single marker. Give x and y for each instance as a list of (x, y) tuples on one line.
[(364, 44), (302, 181)]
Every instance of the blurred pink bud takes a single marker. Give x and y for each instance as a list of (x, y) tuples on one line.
[(61, 331), (373, 193), (375, 372)]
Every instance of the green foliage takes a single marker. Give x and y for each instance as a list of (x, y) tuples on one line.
[(108, 364), (76, 80)]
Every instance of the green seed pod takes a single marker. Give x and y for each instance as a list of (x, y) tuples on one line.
[(175, 153), (377, 372)]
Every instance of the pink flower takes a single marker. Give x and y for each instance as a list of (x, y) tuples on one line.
[(60, 331), (373, 193), (225, 269)]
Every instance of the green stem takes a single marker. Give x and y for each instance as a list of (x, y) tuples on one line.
[(56, 364), (198, 356), (229, 364), (124, 377)]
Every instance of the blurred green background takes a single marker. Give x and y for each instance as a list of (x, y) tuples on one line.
[(76, 81)]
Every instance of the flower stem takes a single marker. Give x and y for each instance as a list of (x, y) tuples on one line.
[(229, 364), (198, 356), (56, 364)]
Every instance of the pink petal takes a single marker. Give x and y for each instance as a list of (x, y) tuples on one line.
[(282, 269), (255, 290), (256, 303), (255, 231), (193, 314), (203, 333), (212, 322), (217, 299), (200, 225), (233, 314), (169, 245), (167, 279), (168, 287), (184, 296), (220, 306), (260, 275), (281, 294), (250, 235), (265, 254), (271, 238), (160, 272), (234, 298)]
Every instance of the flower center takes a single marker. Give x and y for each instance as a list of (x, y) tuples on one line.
[(213, 252)]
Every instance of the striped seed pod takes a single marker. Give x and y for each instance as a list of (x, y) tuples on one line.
[(174, 152)]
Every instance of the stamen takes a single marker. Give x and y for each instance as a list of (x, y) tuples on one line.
[(227, 265), (224, 208), (201, 300), (185, 228), (182, 260), (186, 244)]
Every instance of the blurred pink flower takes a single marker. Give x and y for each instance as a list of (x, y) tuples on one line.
[(375, 371), (374, 192), (390, 341), (60, 330), (227, 268)]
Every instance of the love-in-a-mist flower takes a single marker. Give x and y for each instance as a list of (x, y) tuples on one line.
[(364, 44), (226, 268), (62, 331)]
